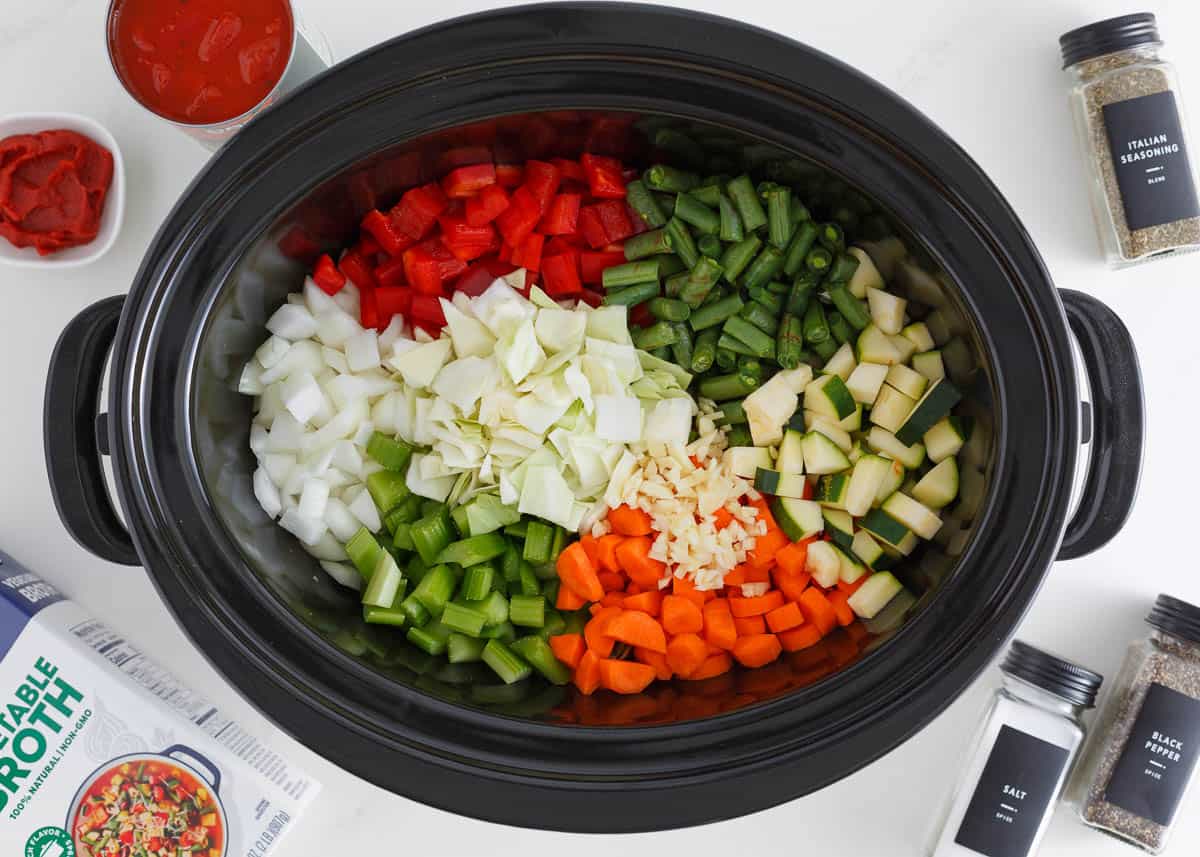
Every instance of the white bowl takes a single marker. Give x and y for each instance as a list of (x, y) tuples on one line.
[(114, 203)]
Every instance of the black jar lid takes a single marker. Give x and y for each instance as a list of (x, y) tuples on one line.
[(1176, 617), (1053, 674), (1107, 37)]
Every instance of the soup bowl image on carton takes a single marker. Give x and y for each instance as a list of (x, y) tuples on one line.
[(103, 753)]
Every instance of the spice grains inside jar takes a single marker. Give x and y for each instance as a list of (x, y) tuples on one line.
[(1139, 764), (1124, 98)]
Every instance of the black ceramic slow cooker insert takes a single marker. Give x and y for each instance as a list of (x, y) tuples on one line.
[(299, 179)]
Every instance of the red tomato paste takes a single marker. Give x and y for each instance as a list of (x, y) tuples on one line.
[(201, 61), (52, 189)]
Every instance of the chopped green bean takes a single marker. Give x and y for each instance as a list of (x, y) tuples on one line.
[(658, 335), (751, 367), (800, 294), (722, 388), (761, 343), (738, 256), (674, 285), (704, 276), (707, 194), (761, 317), (642, 201), (767, 299), (732, 343), (711, 246), (843, 268), (800, 213), (705, 352), (739, 436), (745, 198), (631, 295), (854, 311), (683, 348), (832, 237), (779, 216), (692, 211), (662, 352), (816, 328), (789, 342), (731, 221), (716, 313), (676, 142), (840, 328), (668, 309), (765, 267), (650, 243), (669, 265), (798, 247), (726, 358), (631, 273), (732, 413), (825, 350), (779, 287), (682, 242), (669, 179), (818, 260)]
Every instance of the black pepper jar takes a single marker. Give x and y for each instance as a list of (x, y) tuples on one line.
[(1142, 756)]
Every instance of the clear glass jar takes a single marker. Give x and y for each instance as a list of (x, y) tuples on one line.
[(1129, 119), (1137, 769), (1021, 756)]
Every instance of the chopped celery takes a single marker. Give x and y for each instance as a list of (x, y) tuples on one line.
[(431, 639), (574, 621), (391, 453), (518, 529), (464, 619), (474, 550), (528, 611), (478, 581), (364, 552), (415, 611), (540, 656), (550, 590), (539, 541), (388, 490), (402, 538), (546, 571), (530, 585), (461, 649), (504, 632), (461, 522), (505, 663), (554, 623), (385, 582), (394, 616), (405, 513), (510, 564), (431, 534), (416, 569), (436, 588), (557, 545), (494, 607)]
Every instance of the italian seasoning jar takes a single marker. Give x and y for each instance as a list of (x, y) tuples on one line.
[(1019, 762), (1143, 754), (1126, 104)]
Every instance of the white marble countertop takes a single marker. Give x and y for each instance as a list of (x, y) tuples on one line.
[(987, 72)]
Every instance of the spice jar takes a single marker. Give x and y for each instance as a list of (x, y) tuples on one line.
[(1142, 757), (1129, 120), (1021, 756)]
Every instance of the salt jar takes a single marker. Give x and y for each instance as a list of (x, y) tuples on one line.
[(1021, 757)]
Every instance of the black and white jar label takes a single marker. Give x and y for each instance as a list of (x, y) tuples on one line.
[(1019, 781), (1151, 160), (1154, 769)]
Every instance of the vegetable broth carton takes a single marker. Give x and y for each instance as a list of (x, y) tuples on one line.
[(105, 754)]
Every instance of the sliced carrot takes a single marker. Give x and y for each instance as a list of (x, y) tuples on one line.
[(568, 648), (722, 518), (632, 588), (851, 588), (714, 665), (719, 629), (758, 573), (785, 618), (791, 585), (841, 608), (587, 674), (606, 552), (800, 638), (764, 512), (680, 615), (595, 608), (629, 521), (793, 557), (748, 626), (687, 589), (658, 660), (576, 571), (638, 629), (633, 554), (613, 599), (685, 654), (611, 581), (766, 547), (568, 600), (756, 606), (625, 676), (648, 602), (757, 650), (736, 576), (595, 632), (817, 610), (591, 547)]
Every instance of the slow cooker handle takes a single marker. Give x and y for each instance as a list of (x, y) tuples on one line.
[(1118, 424), (72, 440), (191, 757)]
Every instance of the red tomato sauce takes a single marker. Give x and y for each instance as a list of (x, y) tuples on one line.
[(52, 189), (201, 61)]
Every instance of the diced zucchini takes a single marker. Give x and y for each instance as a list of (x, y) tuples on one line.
[(780, 484), (768, 409), (938, 327), (869, 473), (831, 490), (891, 408), (887, 528), (904, 347), (842, 362), (854, 421), (891, 482), (909, 382), (827, 427), (892, 616), (972, 490), (979, 442), (875, 346), (852, 567), (840, 526), (857, 451), (913, 514), (744, 461), (864, 382), (791, 454), (938, 488), (865, 276), (882, 440), (945, 439), (874, 595), (937, 402), (960, 365), (866, 548), (798, 519), (887, 311), (828, 395), (824, 563), (918, 334), (822, 455), (929, 364)]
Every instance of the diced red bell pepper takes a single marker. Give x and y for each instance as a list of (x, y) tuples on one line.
[(604, 176), (368, 308), (367, 247), (391, 272), (571, 170), (592, 265), (392, 301), (466, 242), (615, 220), (426, 310), (543, 180), (296, 244), (562, 216), (327, 277), (355, 267), (418, 210), (509, 175), (592, 299), (591, 227), (486, 205), (558, 243), (422, 271), (531, 279), (463, 156), (386, 233), (528, 254), (478, 278), (520, 218), (467, 181), (560, 274), (640, 315), (497, 267)]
